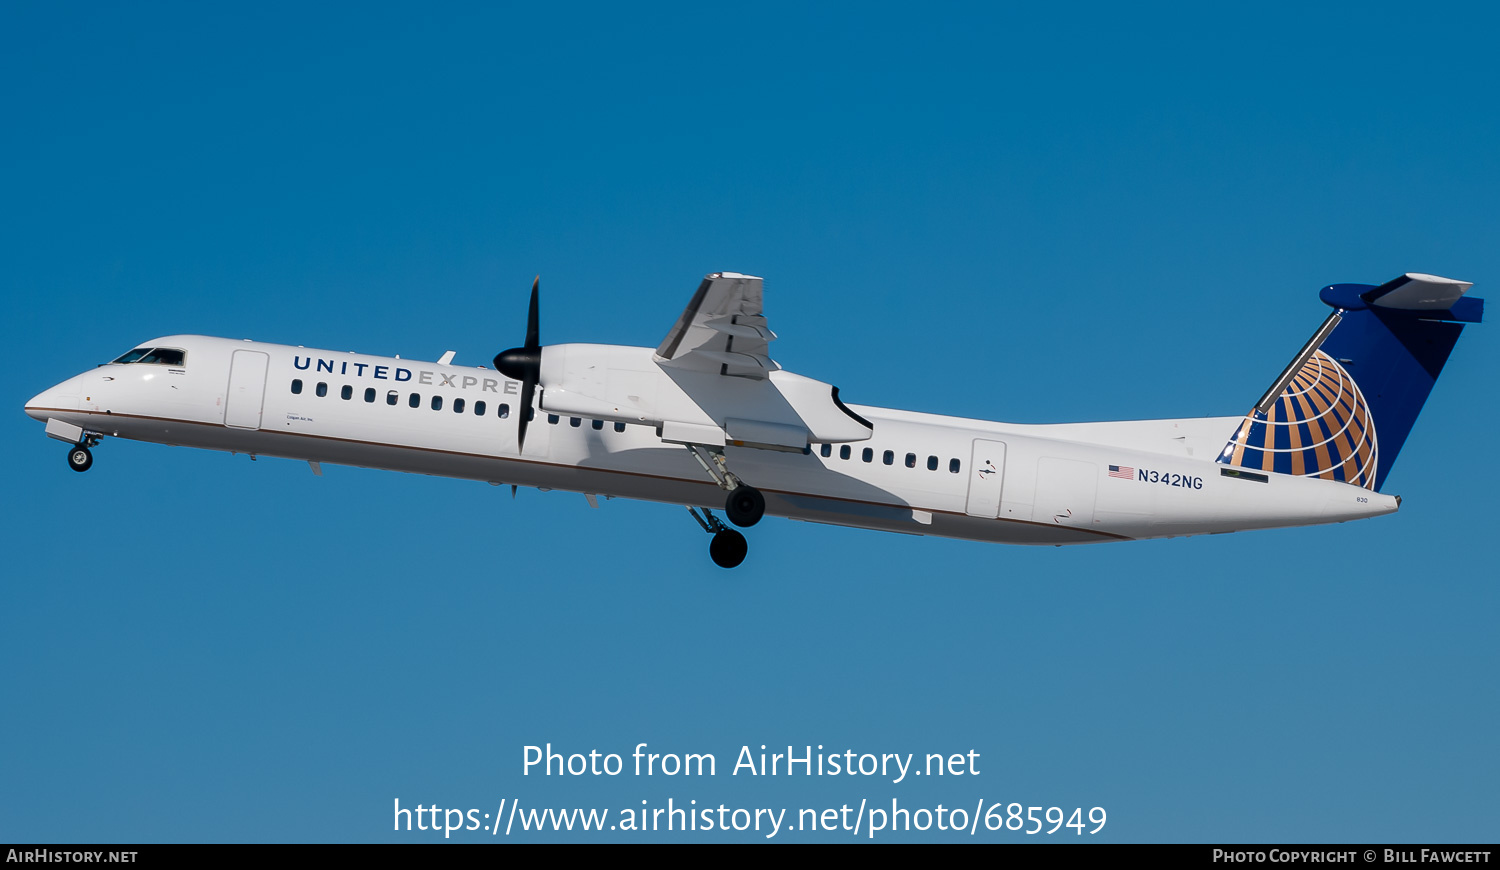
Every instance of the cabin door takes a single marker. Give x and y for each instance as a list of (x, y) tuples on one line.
[(986, 475), (247, 389)]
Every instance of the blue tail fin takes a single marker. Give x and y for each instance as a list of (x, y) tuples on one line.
[(1344, 406)]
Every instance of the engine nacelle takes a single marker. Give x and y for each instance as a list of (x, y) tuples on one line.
[(782, 411)]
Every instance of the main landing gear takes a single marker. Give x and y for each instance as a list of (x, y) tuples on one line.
[(728, 547), (744, 506), (80, 458)]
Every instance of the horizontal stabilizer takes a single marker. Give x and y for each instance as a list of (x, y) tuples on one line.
[(1429, 296), (1415, 291)]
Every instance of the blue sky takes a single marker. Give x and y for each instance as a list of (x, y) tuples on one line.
[(1026, 214)]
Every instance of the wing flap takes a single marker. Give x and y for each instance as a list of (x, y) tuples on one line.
[(722, 330), (727, 326)]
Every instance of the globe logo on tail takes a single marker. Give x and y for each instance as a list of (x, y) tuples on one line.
[(1320, 426)]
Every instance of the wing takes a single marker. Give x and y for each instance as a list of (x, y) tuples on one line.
[(722, 330)]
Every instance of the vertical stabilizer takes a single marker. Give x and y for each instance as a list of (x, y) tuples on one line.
[(1343, 407)]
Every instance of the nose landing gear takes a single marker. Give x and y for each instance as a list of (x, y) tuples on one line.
[(79, 458), (728, 547)]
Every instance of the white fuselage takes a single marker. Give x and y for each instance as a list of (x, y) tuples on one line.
[(945, 476)]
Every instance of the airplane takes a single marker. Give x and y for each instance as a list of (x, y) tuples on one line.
[(708, 419)]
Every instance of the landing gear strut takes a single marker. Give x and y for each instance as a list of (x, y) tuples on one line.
[(728, 547), (745, 505)]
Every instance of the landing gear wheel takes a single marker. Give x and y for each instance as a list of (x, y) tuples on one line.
[(745, 506), (79, 458), (728, 548)]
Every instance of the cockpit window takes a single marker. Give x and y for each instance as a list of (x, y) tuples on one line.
[(164, 356), (161, 356), (132, 356)]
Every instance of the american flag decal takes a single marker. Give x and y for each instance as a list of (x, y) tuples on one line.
[(1124, 472)]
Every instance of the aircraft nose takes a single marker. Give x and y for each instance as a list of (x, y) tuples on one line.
[(36, 403), (57, 398)]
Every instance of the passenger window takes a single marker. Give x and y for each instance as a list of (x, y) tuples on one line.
[(415, 401), (346, 393), (844, 452), (598, 425), (619, 427), (391, 397), (479, 409), (932, 463), (370, 394), (458, 406), (911, 460), (504, 410), (826, 450), (437, 403), (296, 386), (889, 457), (552, 419), (868, 455), (575, 422), (322, 389), (953, 465)]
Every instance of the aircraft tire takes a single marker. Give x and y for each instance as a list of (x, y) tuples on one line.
[(745, 506), (728, 548), (79, 458)]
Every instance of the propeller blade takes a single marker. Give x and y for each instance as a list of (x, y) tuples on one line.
[(524, 363), (532, 327), (528, 390)]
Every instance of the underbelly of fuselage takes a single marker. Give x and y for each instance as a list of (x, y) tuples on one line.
[(594, 478)]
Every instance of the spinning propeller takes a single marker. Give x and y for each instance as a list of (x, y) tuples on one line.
[(524, 364)]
